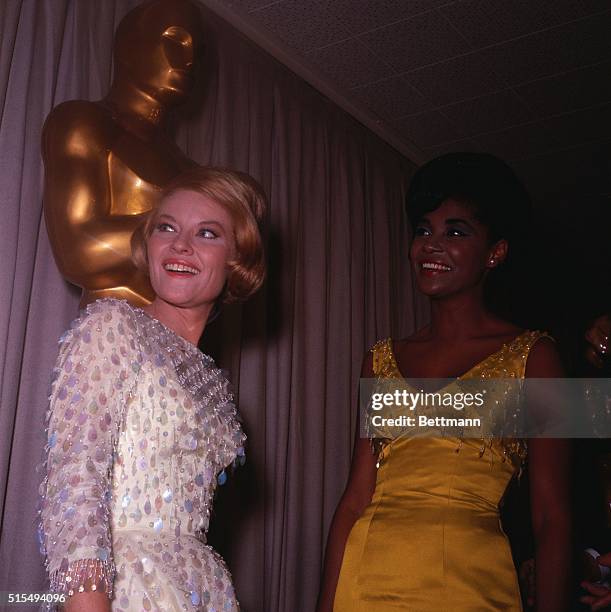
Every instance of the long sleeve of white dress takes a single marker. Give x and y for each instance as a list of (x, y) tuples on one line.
[(95, 371)]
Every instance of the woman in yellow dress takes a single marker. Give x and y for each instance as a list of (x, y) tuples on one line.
[(418, 527)]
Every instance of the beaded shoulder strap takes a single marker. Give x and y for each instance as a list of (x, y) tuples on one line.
[(384, 362), (523, 345), (517, 351)]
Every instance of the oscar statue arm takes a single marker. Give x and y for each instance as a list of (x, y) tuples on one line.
[(90, 244)]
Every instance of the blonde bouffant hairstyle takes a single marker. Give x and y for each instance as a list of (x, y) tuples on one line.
[(242, 197)]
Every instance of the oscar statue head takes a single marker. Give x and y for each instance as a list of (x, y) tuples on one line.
[(155, 47)]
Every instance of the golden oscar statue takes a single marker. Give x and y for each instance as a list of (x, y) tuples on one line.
[(106, 161)]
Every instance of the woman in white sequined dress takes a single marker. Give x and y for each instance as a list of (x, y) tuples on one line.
[(141, 424)]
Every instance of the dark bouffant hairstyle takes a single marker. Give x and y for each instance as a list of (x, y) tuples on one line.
[(489, 185), (499, 201)]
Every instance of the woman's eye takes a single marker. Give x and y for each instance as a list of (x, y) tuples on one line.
[(165, 227), (456, 232), (207, 233), (421, 231)]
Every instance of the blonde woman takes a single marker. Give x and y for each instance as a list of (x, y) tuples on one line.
[(141, 424)]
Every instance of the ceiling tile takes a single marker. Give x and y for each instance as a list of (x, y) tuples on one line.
[(569, 91), (566, 10), (428, 129), (554, 54), (569, 46), (593, 124), (583, 170), (301, 25), (487, 22), (518, 142), (391, 98), (458, 146), (349, 64), (467, 76), (361, 16), (489, 113), (425, 39), (250, 5)]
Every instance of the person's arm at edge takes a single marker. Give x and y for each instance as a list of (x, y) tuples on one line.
[(88, 601), (549, 464), (597, 337), (78, 474), (356, 497)]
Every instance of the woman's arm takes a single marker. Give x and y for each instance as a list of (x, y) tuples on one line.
[(92, 381), (356, 497), (549, 465), (88, 601)]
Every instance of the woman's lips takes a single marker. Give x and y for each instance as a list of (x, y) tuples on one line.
[(432, 268), (180, 268)]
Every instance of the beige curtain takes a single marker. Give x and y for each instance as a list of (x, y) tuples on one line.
[(338, 280)]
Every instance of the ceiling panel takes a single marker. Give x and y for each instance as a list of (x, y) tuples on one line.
[(581, 127), (573, 45), (250, 5), (428, 129), (302, 25), (460, 78), (361, 16), (569, 91), (419, 41), (349, 64), (458, 146), (487, 22), (518, 142), (556, 174), (391, 98), (575, 9), (525, 79), (488, 113)]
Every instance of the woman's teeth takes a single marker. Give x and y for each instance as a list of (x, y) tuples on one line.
[(435, 266), (171, 267)]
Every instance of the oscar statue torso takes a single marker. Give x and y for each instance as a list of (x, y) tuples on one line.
[(106, 162)]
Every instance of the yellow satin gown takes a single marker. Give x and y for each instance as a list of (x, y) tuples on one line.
[(431, 538)]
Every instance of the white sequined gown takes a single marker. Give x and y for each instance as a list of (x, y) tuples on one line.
[(141, 426)]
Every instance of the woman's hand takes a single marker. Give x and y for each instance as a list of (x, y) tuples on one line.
[(527, 581), (598, 340), (599, 596), (89, 601)]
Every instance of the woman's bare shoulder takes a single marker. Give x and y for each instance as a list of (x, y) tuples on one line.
[(544, 360)]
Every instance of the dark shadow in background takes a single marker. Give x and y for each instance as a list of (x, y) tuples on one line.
[(564, 285), (246, 492)]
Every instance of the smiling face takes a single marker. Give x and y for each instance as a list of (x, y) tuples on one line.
[(451, 251), (188, 250)]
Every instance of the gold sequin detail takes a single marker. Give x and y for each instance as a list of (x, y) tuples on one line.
[(508, 362)]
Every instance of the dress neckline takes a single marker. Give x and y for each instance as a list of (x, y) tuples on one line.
[(168, 330), (503, 347), (180, 343)]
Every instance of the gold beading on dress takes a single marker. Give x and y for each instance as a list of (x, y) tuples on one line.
[(509, 362)]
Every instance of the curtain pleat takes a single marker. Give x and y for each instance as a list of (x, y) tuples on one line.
[(339, 279)]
